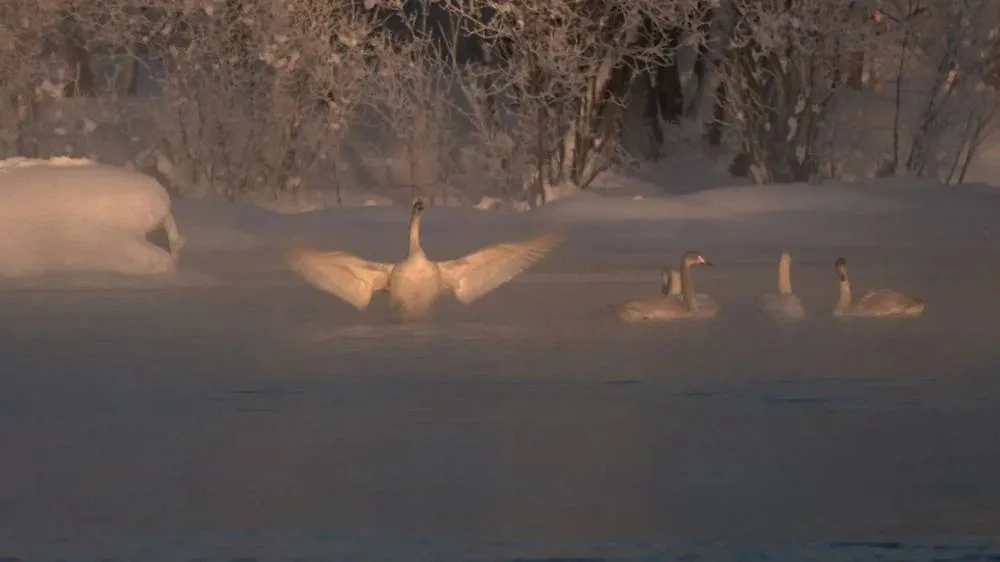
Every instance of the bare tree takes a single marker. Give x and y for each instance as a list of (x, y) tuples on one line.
[(779, 78), (412, 98), (74, 44), (561, 71), (44, 56), (23, 28), (253, 116), (958, 40)]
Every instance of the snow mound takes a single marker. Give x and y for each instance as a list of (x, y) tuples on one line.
[(68, 214)]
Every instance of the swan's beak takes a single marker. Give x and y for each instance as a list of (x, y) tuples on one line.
[(706, 262), (418, 207)]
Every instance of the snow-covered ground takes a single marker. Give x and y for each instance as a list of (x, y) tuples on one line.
[(251, 416), (74, 215)]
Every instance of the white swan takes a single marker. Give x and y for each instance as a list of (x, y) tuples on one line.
[(678, 301), (416, 283), (783, 305), (707, 307), (876, 303), (671, 282)]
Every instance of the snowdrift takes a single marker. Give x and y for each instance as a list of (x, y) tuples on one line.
[(885, 214), (69, 214), (75, 215)]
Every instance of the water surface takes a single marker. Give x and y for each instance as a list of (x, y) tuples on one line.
[(263, 418)]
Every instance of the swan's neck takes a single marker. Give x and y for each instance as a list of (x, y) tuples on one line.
[(415, 248), (784, 277), (845, 293), (687, 288)]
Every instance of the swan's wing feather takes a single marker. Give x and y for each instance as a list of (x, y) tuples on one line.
[(881, 299), (888, 303), (482, 271), (659, 307), (345, 275)]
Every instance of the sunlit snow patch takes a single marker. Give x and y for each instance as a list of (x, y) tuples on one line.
[(67, 214)]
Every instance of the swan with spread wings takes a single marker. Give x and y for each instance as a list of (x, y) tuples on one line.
[(416, 283)]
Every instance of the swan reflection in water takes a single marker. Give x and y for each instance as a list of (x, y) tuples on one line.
[(367, 336)]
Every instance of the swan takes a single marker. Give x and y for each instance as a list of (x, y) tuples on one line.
[(671, 282), (416, 283), (679, 301), (876, 303), (783, 305), (707, 307)]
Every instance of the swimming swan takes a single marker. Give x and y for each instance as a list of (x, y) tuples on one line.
[(416, 283), (707, 307), (783, 305), (877, 303), (668, 306)]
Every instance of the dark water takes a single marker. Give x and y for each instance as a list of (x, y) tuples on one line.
[(265, 420)]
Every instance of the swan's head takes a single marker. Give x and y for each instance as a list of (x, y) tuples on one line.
[(695, 258), (418, 207), (841, 266)]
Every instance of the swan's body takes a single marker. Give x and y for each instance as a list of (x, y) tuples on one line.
[(874, 303), (783, 305), (416, 283), (677, 301), (672, 284)]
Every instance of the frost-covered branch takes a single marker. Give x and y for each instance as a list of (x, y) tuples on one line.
[(555, 74), (415, 121), (781, 72), (256, 93), (958, 106), (45, 55)]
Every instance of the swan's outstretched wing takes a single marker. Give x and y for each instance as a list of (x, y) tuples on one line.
[(480, 272), (349, 277)]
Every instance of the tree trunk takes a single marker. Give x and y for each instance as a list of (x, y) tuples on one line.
[(129, 81), (701, 60), (718, 116), (78, 61), (669, 92), (541, 158), (653, 116)]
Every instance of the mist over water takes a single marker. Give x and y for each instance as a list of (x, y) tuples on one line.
[(259, 412)]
